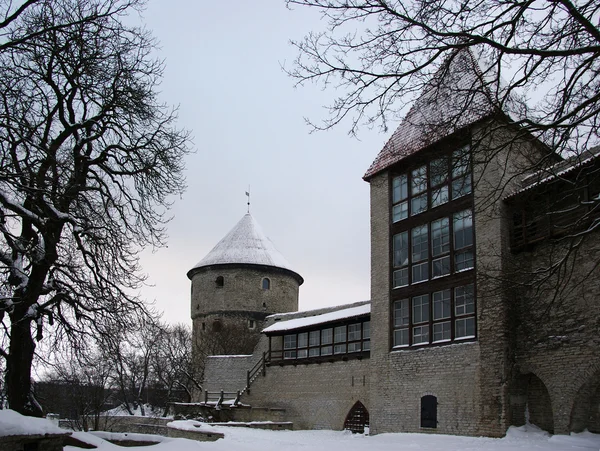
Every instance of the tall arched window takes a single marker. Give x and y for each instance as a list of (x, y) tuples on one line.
[(266, 283), (219, 282), (428, 411)]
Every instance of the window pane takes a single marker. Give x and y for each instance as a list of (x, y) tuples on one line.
[(366, 345), (302, 353), (401, 249), (438, 171), (420, 243), (420, 272), (400, 278), (326, 350), (461, 186), (313, 352), (399, 188), (463, 229), (420, 334), (419, 180), (354, 332), (303, 340), (401, 317), (313, 338), (441, 267), (339, 334), (463, 260), (464, 301), (460, 161), (441, 331), (440, 237), (401, 337), (339, 349), (421, 309), (366, 329), (354, 347), (289, 341), (418, 204), (441, 304), (465, 328), (400, 211), (289, 354), (439, 196), (327, 336)]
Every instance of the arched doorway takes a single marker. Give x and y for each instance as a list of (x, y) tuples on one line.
[(586, 407), (429, 411), (357, 418), (531, 403)]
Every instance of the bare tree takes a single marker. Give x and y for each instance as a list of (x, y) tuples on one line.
[(539, 74), (88, 161), (380, 53), (79, 387), (132, 352), (172, 365)]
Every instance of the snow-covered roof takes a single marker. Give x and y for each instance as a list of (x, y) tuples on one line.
[(245, 244), (457, 96), (337, 315), (556, 171)]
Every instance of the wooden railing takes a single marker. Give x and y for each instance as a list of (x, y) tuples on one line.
[(252, 374), (218, 398)]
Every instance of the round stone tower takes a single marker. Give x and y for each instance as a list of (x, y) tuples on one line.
[(240, 282)]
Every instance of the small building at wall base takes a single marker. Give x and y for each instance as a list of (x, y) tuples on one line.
[(485, 280)]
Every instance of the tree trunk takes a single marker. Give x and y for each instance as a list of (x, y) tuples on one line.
[(18, 365)]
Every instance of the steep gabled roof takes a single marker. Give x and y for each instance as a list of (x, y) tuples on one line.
[(456, 97), (245, 244)]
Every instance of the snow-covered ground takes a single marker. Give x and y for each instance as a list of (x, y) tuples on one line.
[(244, 439)]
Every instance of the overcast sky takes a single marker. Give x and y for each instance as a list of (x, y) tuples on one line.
[(223, 68)]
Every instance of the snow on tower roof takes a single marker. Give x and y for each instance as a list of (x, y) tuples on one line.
[(457, 96), (245, 244)]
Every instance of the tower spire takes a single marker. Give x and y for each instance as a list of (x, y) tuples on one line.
[(248, 195)]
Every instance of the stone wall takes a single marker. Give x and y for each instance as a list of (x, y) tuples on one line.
[(227, 373), (470, 381), (242, 290), (47, 442), (314, 396), (557, 336)]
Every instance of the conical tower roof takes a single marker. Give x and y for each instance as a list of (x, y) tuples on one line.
[(245, 244)]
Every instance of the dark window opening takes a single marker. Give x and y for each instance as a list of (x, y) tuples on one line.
[(219, 282), (217, 326), (266, 284), (429, 411)]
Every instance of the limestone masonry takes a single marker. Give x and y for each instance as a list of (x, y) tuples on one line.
[(485, 281)]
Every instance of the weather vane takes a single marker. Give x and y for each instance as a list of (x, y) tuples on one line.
[(248, 195)]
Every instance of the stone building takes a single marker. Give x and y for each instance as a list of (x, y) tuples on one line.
[(241, 281), (485, 247)]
